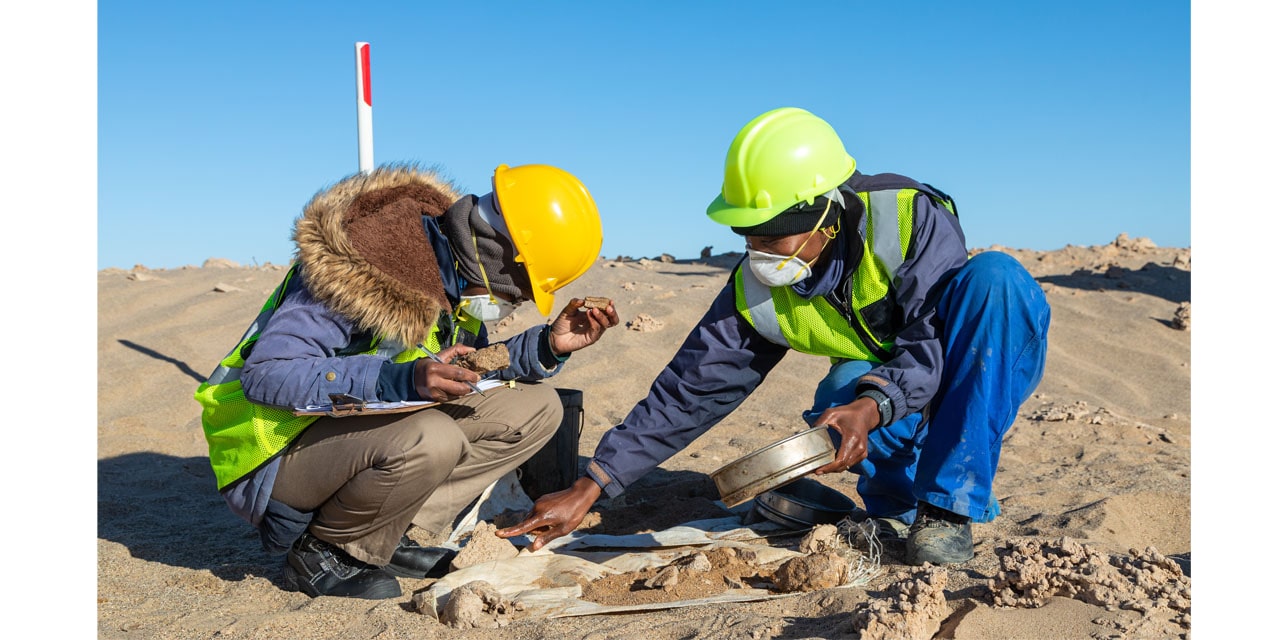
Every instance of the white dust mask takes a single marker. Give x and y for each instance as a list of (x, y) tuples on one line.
[(782, 271), (775, 270), (486, 308)]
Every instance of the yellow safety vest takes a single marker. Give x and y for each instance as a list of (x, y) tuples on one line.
[(816, 326), (243, 435)]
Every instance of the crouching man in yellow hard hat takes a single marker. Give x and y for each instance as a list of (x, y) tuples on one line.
[(391, 266), (930, 353)]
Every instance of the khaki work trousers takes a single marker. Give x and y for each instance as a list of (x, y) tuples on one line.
[(366, 478)]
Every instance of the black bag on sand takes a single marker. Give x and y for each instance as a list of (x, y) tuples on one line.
[(555, 466)]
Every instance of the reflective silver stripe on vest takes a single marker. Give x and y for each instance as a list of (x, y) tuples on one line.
[(760, 306), (887, 243)]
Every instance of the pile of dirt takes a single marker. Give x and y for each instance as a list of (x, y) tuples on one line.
[(483, 546), (826, 562), (914, 607), (1033, 571), (695, 575)]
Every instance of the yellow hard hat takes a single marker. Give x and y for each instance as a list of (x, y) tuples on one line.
[(554, 225)]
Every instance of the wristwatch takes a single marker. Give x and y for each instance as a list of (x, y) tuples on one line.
[(883, 404)]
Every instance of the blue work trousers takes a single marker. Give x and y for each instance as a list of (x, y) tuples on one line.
[(995, 324)]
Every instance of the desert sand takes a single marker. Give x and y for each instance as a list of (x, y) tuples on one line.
[(1094, 540)]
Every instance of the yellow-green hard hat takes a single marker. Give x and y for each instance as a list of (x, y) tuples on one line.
[(782, 157)]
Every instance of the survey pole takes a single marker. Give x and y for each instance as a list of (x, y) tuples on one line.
[(364, 108)]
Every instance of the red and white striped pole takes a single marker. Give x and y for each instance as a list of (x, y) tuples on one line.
[(364, 108)]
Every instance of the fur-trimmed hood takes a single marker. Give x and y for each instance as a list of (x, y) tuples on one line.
[(364, 252)]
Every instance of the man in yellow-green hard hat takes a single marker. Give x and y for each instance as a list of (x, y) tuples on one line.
[(390, 267), (931, 353)]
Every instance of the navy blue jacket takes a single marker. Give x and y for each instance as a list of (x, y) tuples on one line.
[(305, 340), (724, 358)]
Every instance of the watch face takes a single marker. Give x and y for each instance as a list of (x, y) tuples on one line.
[(886, 410)]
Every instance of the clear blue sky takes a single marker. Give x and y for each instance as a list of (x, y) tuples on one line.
[(1050, 123)]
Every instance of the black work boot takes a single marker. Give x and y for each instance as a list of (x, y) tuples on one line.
[(412, 560), (318, 568), (891, 532), (938, 536)]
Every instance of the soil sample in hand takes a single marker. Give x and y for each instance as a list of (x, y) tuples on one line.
[(596, 302), (482, 361)]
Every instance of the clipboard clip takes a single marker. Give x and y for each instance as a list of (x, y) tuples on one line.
[(345, 404)]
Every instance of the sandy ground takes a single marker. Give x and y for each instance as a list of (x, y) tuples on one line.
[(1100, 455)]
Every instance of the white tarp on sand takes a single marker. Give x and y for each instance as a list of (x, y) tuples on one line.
[(548, 582)]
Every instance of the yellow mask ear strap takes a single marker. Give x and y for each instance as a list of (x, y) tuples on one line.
[(484, 276), (831, 235)]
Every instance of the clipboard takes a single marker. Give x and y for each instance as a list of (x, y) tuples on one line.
[(342, 405)]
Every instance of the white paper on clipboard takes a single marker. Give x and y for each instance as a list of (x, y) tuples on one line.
[(340, 411)]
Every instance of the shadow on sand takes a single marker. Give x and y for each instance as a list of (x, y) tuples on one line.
[(1166, 282), (167, 509)]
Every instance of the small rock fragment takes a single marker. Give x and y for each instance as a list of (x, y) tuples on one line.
[(476, 604), (824, 537), (482, 361), (1182, 260), (824, 570), (645, 323), (696, 563), (665, 579), (1182, 317)]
